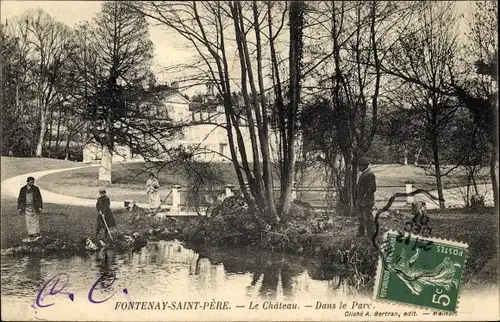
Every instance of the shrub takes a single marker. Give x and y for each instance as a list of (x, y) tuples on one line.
[(477, 202), (230, 222)]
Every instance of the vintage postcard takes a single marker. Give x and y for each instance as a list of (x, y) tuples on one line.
[(249, 161)]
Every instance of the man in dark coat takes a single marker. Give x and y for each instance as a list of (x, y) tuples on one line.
[(104, 210), (30, 204), (365, 198)]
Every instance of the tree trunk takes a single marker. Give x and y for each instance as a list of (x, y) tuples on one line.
[(296, 14), (286, 198), (353, 179), (41, 137), (58, 134), (467, 194), (494, 155), (49, 139), (106, 162), (473, 176), (107, 147), (417, 156), (262, 120), (66, 156), (437, 168)]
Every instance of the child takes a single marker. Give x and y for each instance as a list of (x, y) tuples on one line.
[(104, 210)]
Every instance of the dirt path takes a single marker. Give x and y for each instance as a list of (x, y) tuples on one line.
[(11, 186)]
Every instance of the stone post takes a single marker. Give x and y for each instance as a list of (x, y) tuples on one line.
[(409, 188), (229, 190), (176, 197)]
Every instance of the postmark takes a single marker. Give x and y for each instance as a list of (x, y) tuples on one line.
[(427, 277)]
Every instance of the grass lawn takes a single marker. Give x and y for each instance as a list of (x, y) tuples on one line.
[(11, 166), (71, 223)]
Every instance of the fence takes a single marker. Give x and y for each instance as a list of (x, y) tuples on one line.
[(320, 198)]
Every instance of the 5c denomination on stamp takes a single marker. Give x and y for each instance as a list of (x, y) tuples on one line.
[(429, 278)]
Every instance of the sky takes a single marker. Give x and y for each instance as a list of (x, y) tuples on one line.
[(169, 48)]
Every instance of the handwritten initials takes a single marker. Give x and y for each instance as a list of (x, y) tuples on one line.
[(60, 281)]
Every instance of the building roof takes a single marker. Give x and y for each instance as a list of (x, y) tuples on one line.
[(167, 91)]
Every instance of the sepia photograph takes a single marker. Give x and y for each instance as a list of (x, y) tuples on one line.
[(249, 160)]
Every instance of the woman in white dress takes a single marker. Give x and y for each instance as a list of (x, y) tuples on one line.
[(152, 186)]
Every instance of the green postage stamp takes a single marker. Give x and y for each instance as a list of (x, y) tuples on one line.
[(420, 271)]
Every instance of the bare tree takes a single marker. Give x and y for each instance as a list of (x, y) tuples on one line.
[(428, 52), (253, 31), (355, 38), (47, 41), (479, 92), (16, 94)]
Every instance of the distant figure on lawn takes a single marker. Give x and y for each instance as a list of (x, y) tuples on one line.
[(152, 186), (29, 204), (365, 198), (105, 214)]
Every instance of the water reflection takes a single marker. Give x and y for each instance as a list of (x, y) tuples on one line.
[(279, 276), (270, 275), (107, 267), (170, 269), (33, 271)]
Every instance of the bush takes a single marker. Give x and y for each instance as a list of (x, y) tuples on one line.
[(230, 222), (477, 202), (294, 230)]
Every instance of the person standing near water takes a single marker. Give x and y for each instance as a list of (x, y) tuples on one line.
[(30, 204), (104, 213), (365, 198), (152, 186)]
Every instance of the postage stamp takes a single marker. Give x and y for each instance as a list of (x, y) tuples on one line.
[(427, 276)]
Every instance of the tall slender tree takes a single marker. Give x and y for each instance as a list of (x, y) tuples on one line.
[(480, 92), (46, 41), (115, 71), (428, 52), (254, 31), (354, 39), (15, 117)]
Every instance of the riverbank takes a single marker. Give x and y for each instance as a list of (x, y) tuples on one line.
[(331, 239), (69, 230)]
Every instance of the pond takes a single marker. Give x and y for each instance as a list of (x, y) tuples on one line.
[(169, 270), (103, 284)]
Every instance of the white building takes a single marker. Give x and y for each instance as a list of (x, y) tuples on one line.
[(206, 131)]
